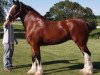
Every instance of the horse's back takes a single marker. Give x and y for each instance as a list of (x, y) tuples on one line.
[(55, 32), (60, 31)]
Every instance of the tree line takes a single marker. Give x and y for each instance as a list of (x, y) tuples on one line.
[(68, 9), (4, 5), (60, 11)]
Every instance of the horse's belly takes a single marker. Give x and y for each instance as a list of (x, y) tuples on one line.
[(55, 39), (52, 42)]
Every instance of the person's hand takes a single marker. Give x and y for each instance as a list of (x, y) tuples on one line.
[(6, 23), (16, 42)]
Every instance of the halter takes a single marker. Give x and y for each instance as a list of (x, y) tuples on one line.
[(16, 13)]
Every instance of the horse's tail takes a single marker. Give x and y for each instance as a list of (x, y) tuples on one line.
[(91, 26)]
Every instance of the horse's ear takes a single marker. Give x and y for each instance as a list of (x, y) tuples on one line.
[(13, 1), (17, 1)]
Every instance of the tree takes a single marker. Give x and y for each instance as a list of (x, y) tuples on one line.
[(67, 9), (4, 5)]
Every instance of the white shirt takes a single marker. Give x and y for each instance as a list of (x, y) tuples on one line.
[(8, 37)]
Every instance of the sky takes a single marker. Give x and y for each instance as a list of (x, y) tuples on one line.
[(43, 6)]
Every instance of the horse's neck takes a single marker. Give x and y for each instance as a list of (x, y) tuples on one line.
[(30, 16)]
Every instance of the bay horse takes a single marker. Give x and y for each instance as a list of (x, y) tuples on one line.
[(40, 31)]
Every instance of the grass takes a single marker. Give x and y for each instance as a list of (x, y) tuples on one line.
[(61, 59), (98, 22), (65, 59), (17, 26), (95, 31)]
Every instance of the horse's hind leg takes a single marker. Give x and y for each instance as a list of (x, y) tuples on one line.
[(88, 67)]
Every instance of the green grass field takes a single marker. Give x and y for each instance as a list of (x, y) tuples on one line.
[(65, 59), (98, 21), (61, 59)]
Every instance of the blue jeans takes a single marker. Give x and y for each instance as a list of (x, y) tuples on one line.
[(8, 53)]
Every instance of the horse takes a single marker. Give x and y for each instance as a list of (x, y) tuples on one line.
[(39, 31)]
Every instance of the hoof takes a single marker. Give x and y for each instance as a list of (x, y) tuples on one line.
[(38, 73), (31, 72), (86, 72)]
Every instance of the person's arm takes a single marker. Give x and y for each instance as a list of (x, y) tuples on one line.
[(16, 41)]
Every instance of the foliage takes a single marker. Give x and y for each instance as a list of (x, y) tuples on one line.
[(67, 9), (98, 17), (1, 11), (4, 5)]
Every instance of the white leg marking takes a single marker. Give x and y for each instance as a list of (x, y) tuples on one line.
[(33, 68), (39, 69), (88, 67)]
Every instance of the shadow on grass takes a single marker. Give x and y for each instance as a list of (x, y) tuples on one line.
[(55, 62), (62, 69), (96, 66), (73, 66), (23, 66), (56, 70)]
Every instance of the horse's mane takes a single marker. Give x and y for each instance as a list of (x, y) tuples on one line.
[(31, 9)]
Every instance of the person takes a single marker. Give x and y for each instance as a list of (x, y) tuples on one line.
[(8, 44)]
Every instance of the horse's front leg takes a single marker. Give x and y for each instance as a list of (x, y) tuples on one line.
[(36, 61), (34, 67)]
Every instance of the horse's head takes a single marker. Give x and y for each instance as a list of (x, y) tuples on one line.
[(14, 11)]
